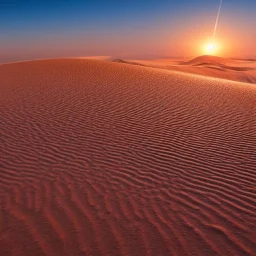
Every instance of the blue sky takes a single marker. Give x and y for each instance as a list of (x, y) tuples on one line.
[(120, 28)]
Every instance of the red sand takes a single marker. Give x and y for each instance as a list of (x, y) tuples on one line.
[(103, 158)]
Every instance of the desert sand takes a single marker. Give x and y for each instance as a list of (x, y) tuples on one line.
[(231, 69), (101, 158)]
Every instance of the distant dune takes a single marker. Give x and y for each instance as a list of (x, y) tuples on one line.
[(213, 66), (207, 59), (127, 62), (101, 158), (217, 63)]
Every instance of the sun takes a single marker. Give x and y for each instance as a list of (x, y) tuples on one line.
[(211, 48)]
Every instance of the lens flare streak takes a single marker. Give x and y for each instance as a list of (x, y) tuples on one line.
[(217, 20)]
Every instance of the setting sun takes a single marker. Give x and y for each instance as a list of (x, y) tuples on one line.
[(211, 49)]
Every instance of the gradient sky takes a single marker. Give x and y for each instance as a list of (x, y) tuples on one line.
[(34, 29)]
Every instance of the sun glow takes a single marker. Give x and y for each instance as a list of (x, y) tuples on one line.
[(210, 49)]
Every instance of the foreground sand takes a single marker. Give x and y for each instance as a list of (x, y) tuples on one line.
[(101, 158)]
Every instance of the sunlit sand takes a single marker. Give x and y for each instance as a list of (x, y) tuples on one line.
[(242, 70)]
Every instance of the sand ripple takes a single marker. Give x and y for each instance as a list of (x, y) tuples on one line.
[(103, 158)]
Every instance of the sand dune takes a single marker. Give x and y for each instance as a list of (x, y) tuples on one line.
[(101, 158), (127, 62), (213, 66), (207, 59)]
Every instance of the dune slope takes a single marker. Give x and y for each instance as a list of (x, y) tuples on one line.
[(102, 158)]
